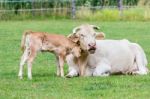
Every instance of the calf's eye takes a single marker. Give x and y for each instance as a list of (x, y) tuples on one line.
[(94, 34)]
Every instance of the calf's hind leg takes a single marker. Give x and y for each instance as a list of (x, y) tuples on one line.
[(22, 62), (30, 60)]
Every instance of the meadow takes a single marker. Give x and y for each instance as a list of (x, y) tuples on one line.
[(46, 85)]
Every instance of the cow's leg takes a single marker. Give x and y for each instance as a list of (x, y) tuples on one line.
[(140, 60), (58, 67), (136, 71), (102, 69), (22, 62), (89, 71), (142, 69), (138, 68), (61, 64), (29, 62)]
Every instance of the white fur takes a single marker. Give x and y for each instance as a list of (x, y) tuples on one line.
[(114, 56)]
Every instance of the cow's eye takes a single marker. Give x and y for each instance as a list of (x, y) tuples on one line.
[(82, 35)]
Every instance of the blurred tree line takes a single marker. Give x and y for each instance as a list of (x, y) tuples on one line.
[(36, 4), (28, 4), (62, 6), (53, 3)]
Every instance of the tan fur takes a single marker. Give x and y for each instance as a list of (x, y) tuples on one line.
[(82, 61), (33, 42), (100, 36)]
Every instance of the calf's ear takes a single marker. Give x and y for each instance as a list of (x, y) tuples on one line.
[(73, 37), (100, 36)]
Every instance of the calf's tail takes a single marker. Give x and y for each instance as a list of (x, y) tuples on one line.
[(23, 40)]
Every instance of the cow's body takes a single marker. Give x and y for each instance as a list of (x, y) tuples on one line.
[(113, 56)]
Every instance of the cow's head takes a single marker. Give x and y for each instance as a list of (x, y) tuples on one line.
[(86, 36)]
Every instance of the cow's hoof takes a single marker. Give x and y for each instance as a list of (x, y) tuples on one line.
[(105, 75), (69, 76), (132, 73)]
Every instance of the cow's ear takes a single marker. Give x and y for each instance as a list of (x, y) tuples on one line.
[(73, 37), (100, 36), (75, 30), (95, 27)]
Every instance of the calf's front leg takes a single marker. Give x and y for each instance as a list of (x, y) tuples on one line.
[(61, 65), (58, 66)]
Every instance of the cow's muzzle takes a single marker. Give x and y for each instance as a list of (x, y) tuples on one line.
[(92, 48)]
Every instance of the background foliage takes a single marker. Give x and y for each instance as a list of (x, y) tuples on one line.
[(103, 10)]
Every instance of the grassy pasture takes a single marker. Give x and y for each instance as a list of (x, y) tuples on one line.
[(45, 83)]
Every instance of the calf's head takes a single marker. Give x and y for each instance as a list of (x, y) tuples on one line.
[(86, 36), (76, 51)]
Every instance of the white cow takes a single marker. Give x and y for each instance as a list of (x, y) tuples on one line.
[(85, 36), (110, 57)]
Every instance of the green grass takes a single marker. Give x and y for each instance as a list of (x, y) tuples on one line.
[(45, 83)]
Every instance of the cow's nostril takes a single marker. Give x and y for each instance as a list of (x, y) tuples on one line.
[(92, 45)]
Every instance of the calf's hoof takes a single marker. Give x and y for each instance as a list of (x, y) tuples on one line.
[(62, 76), (20, 77), (30, 78), (58, 74)]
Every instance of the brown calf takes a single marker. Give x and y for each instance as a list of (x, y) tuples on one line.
[(34, 42)]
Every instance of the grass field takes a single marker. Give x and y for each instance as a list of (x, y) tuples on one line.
[(45, 83)]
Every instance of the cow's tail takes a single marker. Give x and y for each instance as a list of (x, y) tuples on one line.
[(23, 40), (140, 59)]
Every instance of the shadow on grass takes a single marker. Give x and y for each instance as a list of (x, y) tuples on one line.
[(44, 75)]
